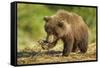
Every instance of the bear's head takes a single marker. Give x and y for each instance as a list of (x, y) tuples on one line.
[(55, 26)]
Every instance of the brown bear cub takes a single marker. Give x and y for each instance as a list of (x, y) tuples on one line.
[(70, 28)]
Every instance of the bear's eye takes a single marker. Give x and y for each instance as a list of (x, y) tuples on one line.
[(47, 18), (60, 24)]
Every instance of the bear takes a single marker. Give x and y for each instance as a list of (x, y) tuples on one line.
[(70, 28)]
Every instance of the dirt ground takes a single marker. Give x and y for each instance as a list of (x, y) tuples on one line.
[(29, 56)]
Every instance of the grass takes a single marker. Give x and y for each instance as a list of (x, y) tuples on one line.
[(31, 56)]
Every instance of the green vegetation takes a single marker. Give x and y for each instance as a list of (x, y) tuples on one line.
[(31, 25)]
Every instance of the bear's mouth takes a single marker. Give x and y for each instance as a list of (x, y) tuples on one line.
[(49, 42), (50, 38)]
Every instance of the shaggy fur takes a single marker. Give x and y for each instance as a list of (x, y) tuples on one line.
[(70, 28)]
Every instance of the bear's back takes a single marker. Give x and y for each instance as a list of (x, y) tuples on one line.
[(77, 23)]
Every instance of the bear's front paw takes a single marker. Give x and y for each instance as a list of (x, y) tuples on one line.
[(66, 55)]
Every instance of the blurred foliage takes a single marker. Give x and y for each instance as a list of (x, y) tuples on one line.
[(31, 25)]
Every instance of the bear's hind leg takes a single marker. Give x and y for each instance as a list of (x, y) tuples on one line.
[(83, 46), (75, 47)]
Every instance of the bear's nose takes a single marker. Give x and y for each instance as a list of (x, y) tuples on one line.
[(49, 30)]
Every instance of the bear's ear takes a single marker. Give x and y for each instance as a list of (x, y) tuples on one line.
[(47, 18), (60, 24)]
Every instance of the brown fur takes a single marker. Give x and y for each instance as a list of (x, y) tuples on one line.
[(69, 27)]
